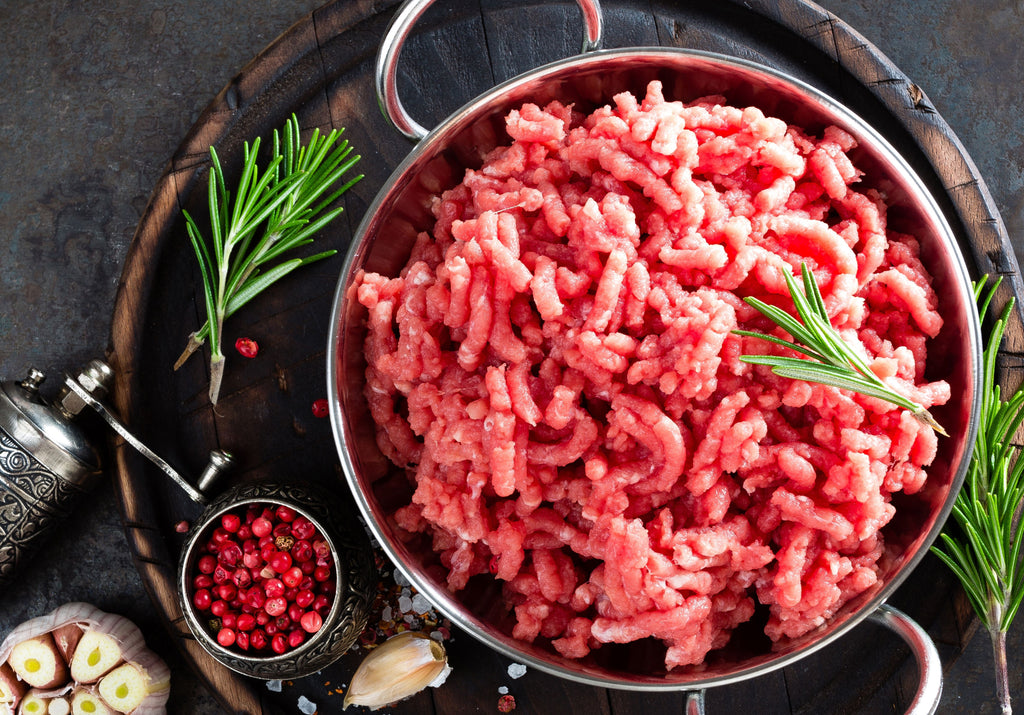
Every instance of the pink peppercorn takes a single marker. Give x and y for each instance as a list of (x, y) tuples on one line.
[(261, 527), (247, 347), (263, 578), (311, 621), (226, 637), (276, 606), (320, 409), (295, 638)]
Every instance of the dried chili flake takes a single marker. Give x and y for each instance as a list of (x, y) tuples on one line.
[(320, 408), (247, 347), (368, 637), (181, 527), (506, 704)]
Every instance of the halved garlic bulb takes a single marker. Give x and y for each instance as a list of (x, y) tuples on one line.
[(78, 644)]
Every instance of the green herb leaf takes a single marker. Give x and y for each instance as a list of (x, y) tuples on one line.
[(982, 544), (276, 209), (830, 359)]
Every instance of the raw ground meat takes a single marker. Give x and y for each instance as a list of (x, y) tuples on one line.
[(556, 371)]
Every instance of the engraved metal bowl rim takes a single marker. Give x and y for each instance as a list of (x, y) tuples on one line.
[(283, 665)]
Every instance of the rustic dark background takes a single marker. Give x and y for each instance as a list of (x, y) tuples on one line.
[(94, 99)]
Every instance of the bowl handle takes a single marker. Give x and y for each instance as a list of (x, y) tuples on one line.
[(929, 665), (386, 69)]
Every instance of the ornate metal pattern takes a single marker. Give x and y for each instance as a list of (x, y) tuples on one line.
[(357, 578), (32, 501)]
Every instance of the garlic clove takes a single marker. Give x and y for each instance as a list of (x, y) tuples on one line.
[(66, 638), (58, 705), (95, 655), (84, 702), (125, 687), (11, 689), (33, 704), (38, 662), (400, 667)]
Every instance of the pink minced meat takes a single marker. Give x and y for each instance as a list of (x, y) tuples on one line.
[(556, 369)]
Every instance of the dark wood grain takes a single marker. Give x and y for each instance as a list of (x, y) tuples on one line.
[(321, 69)]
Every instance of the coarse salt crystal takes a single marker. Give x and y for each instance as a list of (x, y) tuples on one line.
[(503, 690), (306, 706), (420, 604), (385, 614), (404, 604), (400, 579), (274, 686), (516, 670)]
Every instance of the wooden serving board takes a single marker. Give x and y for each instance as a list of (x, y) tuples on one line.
[(321, 70)]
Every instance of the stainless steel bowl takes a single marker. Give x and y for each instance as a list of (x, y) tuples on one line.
[(356, 579), (402, 208)]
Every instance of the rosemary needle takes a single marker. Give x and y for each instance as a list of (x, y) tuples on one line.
[(830, 359), (274, 210), (986, 553)]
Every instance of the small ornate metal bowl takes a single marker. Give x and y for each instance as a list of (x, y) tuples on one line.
[(353, 566)]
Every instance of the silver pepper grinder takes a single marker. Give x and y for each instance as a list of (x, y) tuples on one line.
[(47, 462)]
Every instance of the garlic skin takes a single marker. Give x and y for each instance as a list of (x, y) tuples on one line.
[(400, 667)]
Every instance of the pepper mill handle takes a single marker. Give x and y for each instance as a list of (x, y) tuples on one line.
[(79, 392), (47, 462)]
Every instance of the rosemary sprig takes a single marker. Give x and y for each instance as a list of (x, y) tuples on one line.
[(986, 553), (831, 360), (273, 211)]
